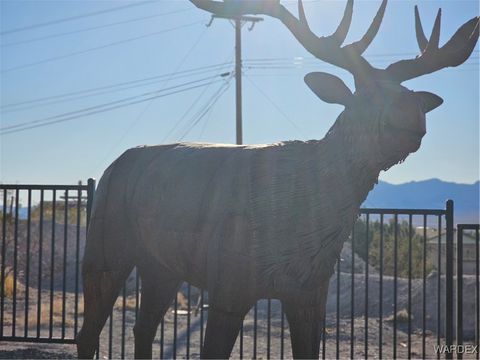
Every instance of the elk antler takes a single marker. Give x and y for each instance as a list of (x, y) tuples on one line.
[(328, 48), (433, 58)]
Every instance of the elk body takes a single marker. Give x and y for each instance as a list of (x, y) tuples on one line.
[(266, 221)]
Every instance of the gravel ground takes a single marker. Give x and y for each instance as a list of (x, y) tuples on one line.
[(52, 351)]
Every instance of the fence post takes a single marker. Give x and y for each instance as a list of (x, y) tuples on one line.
[(459, 287), (90, 196), (449, 306)]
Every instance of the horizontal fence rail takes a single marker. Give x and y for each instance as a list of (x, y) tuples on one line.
[(388, 296)]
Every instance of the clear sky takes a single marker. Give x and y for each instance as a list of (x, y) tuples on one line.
[(74, 66)]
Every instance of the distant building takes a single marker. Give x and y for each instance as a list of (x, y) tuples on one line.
[(469, 250)]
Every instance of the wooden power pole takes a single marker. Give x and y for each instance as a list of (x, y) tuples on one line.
[(238, 22)]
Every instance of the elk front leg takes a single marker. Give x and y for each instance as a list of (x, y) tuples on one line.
[(159, 288), (305, 329)]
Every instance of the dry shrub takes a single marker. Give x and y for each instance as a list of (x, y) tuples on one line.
[(8, 286), (56, 313)]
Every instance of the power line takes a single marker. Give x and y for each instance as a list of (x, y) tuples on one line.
[(207, 107), (98, 111), (60, 57), (192, 105), (107, 89), (102, 107), (110, 103), (142, 112), (187, 111), (81, 16), (22, 42), (275, 106)]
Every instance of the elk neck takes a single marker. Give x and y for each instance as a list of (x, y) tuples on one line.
[(357, 155)]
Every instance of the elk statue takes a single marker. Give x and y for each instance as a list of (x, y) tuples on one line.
[(258, 221)]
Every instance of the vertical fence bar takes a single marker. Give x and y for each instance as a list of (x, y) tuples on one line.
[(324, 335), (395, 275), (477, 290), (352, 299), (424, 286), (15, 265), (367, 233), (40, 261), (162, 338), (439, 282), (189, 320), (337, 306), (409, 300), (52, 263), (137, 292), (27, 270), (282, 333), (380, 292), (459, 289), (202, 296), (90, 198), (110, 336), (65, 244), (241, 341), (255, 318), (124, 308), (175, 325), (269, 325), (4, 249), (77, 258), (449, 306)]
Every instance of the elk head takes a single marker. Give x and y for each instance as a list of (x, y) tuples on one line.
[(393, 114)]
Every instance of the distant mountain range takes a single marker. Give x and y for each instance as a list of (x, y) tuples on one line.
[(429, 194)]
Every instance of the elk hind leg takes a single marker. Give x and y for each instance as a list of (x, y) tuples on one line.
[(159, 288), (221, 334), (305, 329), (100, 292)]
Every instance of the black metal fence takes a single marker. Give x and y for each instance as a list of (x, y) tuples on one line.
[(392, 294), (468, 287), (42, 245)]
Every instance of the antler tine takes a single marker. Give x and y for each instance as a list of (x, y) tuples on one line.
[(361, 45), (469, 31), (453, 53), (342, 30), (301, 13), (435, 37), (421, 38)]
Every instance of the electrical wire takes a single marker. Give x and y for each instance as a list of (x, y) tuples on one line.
[(103, 26), (144, 110), (280, 111), (106, 106), (76, 17), (207, 107), (98, 111), (82, 94), (192, 105), (115, 43)]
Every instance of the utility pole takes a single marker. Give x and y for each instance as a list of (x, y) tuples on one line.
[(238, 22), (238, 80)]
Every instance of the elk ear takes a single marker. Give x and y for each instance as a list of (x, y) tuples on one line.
[(429, 101), (329, 88)]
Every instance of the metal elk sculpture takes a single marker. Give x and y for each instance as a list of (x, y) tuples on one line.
[(262, 221)]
